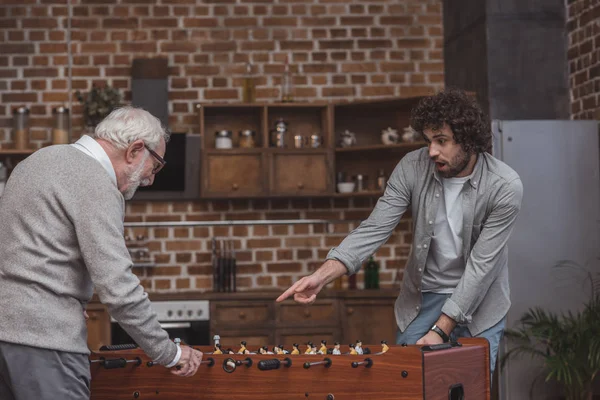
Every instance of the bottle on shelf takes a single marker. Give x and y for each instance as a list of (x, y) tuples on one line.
[(381, 180), (248, 90), (21, 128), (287, 84), (61, 131), (372, 274)]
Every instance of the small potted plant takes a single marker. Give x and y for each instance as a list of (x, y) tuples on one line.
[(98, 103), (568, 344)]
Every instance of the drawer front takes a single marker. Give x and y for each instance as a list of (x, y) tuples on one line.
[(234, 174), (322, 313), (241, 314), (300, 174)]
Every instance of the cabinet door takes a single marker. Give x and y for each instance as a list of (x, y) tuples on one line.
[(369, 320), (241, 314), (98, 326), (320, 313), (300, 174), (233, 174)]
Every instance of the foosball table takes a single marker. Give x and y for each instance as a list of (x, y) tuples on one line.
[(453, 371)]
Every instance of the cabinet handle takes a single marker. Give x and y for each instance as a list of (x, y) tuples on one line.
[(242, 315), (300, 185), (306, 313), (350, 311), (235, 186)]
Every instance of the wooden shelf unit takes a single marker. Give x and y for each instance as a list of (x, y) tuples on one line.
[(268, 171)]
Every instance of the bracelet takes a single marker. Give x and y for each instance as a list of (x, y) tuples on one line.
[(440, 332)]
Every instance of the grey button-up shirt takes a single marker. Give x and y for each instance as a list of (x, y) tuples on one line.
[(491, 200)]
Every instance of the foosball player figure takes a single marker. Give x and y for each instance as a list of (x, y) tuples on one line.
[(283, 351), (277, 350), (243, 349), (218, 349), (358, 347), (323, 349), (384, 346), (336, 349), (352, 349), (309, 347), (295, 349), (314, 350), (229, 351)]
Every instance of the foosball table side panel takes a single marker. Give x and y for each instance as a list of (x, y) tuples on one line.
[(395, 375), (463, 369)]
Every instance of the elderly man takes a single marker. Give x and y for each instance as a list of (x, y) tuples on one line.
[(62, 215)]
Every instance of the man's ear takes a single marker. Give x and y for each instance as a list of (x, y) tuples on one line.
[(133, 150)]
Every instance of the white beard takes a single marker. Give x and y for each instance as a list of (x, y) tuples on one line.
[(135, 180)]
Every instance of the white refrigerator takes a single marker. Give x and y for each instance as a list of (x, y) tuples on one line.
[(558, 162)]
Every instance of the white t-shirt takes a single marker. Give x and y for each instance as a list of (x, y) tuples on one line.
[(444, 266)]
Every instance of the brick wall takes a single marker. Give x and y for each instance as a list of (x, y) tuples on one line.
[(584, 58), (267, 256), (339, 49)]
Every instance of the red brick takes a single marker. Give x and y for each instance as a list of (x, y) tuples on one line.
[(220, 94), (25, 48), (284, 267), (120, 23), (179, 47), (263, 243)]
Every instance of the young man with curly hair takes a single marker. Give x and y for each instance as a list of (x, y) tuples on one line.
[(464, 203)]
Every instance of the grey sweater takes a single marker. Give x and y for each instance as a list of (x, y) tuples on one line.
[(61, 236)]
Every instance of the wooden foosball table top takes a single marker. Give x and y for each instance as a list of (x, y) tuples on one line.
[(452, 372)]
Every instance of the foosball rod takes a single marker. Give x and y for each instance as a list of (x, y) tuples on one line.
[(326, 361), (116, 363)]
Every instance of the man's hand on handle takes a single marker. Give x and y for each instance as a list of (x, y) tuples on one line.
[(306, 289), (188, 363)]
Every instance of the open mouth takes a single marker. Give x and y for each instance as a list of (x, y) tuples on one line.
[(440, 165)]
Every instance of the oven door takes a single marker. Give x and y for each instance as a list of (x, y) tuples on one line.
[(195, 333)]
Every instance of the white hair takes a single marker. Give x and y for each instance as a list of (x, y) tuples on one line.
[(125, 125)]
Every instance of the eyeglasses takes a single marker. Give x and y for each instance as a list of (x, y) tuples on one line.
[(161, 161)]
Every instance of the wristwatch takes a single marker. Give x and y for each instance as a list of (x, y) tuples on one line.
[(440, 332)]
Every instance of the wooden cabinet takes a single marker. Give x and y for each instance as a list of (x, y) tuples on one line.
[(234, 174), (343, 316), (98, 326), (293, 168), (237, 320), (369, 319), (305, 171), (300, 173), (369, 155)]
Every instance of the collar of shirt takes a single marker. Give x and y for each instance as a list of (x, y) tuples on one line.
[(92, 148), (475, 176)]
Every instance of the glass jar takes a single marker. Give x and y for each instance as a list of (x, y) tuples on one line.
[(21, 128), (223, 139), (247, 139), (60, 132)]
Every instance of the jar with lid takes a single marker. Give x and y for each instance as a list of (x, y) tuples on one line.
[(223, 139), (247, 139), (60, 132), (21, 128)]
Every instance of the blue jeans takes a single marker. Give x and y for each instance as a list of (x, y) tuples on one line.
[(429, 314)]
